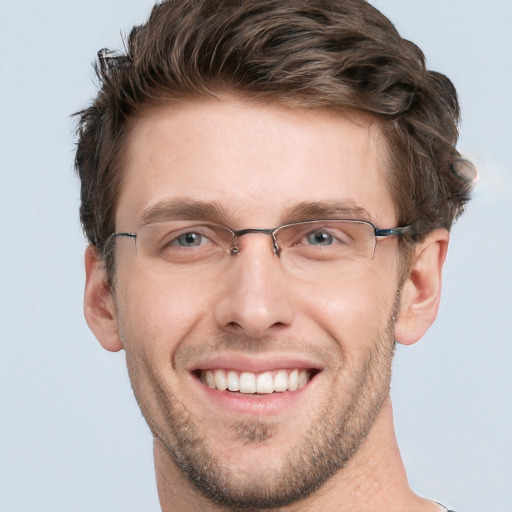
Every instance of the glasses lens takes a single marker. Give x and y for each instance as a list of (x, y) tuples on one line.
[(328, 240), (303, 246), (183, 241)]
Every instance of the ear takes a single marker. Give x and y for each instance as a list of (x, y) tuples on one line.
[(421, 291), (99, 306)]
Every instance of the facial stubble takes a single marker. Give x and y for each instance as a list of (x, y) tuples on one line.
[(328, 444)]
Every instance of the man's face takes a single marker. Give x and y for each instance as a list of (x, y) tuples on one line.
[(260, 166)]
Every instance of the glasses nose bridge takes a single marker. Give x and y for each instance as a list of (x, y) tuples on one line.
[(265, 231)]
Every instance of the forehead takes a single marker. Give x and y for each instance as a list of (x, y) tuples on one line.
[(255, 162)]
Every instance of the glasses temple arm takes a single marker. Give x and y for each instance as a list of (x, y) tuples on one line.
[(392, 231)]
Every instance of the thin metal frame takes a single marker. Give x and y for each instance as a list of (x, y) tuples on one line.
[(237, 233)]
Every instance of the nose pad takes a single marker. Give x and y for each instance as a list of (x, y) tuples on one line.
[(255, 298), (275, 246)]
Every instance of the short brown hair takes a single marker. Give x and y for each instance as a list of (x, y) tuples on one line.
[(342, 55)]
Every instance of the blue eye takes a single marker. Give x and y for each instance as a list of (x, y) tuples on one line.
[(189, 240), (320, 238)]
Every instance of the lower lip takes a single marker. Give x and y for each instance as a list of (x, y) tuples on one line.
[(271, 403)]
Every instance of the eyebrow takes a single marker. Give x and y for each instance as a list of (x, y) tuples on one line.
[(213, 211), (183, 209), (346, 209)]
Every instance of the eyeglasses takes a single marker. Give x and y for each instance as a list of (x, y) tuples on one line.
[(185, 242)]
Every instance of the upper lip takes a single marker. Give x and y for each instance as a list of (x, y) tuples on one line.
[(257, 363)]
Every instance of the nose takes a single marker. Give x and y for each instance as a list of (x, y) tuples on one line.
[(255, 294)]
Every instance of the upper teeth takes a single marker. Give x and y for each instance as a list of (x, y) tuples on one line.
[(247, 382)]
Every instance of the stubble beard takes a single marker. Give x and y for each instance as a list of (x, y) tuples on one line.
[(327, 446)]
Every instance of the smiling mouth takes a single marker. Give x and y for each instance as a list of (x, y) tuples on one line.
[(268, 382)]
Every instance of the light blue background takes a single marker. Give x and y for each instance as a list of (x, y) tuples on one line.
[(71, 436)]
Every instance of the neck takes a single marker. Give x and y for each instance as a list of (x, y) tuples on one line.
[(373, 480)]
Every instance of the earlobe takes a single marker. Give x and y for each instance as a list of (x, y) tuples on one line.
[(99, 307), (421, 291)]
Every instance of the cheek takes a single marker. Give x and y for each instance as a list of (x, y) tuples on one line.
[(157, 313), (354, 311)]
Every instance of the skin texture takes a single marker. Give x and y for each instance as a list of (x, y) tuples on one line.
[(331, 445)]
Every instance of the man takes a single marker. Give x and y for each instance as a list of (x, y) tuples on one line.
[(267, 189)]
